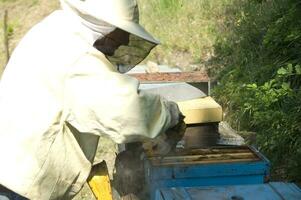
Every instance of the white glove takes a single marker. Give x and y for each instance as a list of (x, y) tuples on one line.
[(166, 142), (174, 113)]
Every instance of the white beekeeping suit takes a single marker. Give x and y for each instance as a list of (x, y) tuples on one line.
[(58, 94)]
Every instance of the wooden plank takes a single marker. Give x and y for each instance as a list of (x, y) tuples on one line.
[(165, 77), (216, 151), (203, 156), (99, 182), (196, 158), (206, 162), (210, 156), (207, 151)]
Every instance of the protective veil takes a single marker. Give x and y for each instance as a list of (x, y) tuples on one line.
[(58, 94), (128, 56), (93, 14)]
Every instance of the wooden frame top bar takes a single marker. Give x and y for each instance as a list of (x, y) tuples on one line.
[(189, 77)]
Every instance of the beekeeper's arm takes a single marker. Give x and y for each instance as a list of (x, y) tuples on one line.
[(100, 100)]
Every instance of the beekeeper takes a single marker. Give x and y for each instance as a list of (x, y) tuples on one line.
[(63, 88)]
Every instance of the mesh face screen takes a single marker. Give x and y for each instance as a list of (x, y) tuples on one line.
[(124, 54)]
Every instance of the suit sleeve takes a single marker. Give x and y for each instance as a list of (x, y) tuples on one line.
[(99, 100)]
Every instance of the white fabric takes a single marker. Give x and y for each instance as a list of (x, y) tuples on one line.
[(57, 96), (96, 30), (123, 13), (120, 13)]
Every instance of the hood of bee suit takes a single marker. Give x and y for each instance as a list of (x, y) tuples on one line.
[(103, 16)]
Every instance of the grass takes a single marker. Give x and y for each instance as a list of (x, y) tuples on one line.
[(22, 15), (186, 29)]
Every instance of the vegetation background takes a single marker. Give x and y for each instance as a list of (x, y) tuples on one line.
[(252, 48)]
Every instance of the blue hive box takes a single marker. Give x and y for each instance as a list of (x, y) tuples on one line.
[(225, 165), (268, 191)]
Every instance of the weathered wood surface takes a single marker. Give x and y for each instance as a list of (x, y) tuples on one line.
[(204, 156), (159, 77)]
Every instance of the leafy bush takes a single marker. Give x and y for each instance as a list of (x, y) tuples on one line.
[(274, 112), (261, 77)]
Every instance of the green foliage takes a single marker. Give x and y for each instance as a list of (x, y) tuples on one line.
[(186, 28), (10, 30), (274, 112), (261, 78), (171, 5), (7, 1)]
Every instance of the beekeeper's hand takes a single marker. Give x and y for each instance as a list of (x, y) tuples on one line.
[(176, 133), (175, 113), (166, 142)]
